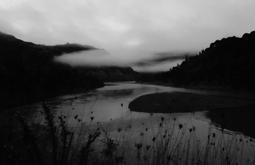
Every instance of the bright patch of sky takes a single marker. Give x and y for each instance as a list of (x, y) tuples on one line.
[(129, 30)]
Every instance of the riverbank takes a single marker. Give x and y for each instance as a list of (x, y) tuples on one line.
[(232, 112), (185, 102), (11, 101), (216, 90)]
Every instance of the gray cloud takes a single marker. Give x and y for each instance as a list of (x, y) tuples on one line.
[(161, 61), (161, 58), (130, 30)]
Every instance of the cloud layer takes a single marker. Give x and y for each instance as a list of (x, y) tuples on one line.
[(128, 29)]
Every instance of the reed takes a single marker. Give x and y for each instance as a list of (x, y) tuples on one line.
[(173, 143)]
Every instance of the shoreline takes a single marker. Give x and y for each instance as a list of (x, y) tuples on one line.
[(233, 113), (18, 102), (247, 94), (172, 102)]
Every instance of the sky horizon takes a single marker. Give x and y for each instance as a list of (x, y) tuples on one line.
[(129, 31)]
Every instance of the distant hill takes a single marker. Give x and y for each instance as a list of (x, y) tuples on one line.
[(28, 72), (229, 62)]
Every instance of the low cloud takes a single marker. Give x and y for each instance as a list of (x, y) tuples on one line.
[(129, 30), (162, 58), (97, 57)]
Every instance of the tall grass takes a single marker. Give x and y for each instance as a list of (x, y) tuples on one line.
[(173, 143)]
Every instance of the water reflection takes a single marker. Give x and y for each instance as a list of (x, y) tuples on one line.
[(107, 103), (190, 135)]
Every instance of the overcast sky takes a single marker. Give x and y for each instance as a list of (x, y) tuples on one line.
[(129, 30)]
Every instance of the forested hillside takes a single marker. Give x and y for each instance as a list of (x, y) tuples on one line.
[(28, 72), (227, 62)]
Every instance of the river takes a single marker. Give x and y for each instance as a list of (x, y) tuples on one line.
[(107, 108)]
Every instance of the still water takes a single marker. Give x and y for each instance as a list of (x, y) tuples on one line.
[(106, 104), (190, 136)]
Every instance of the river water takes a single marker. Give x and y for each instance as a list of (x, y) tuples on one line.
[(187, 133)]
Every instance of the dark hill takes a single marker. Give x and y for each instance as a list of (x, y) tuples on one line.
[(29, 73), (229, 62)]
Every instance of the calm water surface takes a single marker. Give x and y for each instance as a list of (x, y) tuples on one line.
[(107, 107), (105, 104)]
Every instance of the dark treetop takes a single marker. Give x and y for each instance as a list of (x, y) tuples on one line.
[(229, 62)]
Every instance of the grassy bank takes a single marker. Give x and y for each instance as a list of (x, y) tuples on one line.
[(172, 142), (229, 111), (185, 102)]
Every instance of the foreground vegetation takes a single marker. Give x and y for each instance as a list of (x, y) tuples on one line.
[(169, 141), (230, 111)]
